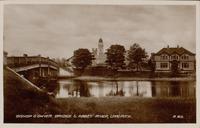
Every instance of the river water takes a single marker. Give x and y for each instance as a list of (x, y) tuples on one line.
[(78, 88)]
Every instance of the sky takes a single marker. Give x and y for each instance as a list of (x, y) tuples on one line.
[(55, 31)]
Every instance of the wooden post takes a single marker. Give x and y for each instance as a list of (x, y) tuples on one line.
[(40, 72), (48, 63)]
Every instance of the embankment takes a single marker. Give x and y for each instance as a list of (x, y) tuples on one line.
[(22, 97), (97, 78)]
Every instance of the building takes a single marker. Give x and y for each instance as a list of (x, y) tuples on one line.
[(163, 59), (99, 55)]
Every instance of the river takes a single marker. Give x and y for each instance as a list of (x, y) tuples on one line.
[(79, 88)]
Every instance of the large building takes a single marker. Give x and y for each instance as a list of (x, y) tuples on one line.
[(163, 59), (99, 55)]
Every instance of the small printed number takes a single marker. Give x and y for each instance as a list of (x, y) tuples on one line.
[(178, 116)]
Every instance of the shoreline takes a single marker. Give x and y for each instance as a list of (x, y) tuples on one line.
[(96, 78)]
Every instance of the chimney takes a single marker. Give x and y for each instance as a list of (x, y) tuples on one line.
[(25, 55), (167, 46), (5, 53), (177, 46)]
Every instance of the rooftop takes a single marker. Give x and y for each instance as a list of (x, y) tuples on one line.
[(174, 50)]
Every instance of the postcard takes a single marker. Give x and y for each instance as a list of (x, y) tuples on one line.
[(121, 63)]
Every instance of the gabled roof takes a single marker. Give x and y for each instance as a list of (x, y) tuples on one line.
[(177, 50)]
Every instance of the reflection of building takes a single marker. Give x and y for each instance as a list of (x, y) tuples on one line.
[(163, 59), (100, 56)]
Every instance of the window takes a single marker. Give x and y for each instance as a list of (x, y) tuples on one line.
[(185, 57), (164, 65), (185, 65), (174, 57), (164, 57)]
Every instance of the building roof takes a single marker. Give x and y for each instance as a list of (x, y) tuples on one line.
[(71, 58), (174, 50)]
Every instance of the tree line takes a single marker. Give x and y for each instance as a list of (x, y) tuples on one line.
[(115, 57)]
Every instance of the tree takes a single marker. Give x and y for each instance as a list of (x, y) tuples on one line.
[(82, 58), (174, 67), (136, 55), (115, 56), (152, 65)]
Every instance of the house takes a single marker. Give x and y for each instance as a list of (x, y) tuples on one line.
[(163, 59)]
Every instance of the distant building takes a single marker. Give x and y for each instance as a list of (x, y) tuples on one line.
[(99, 55), (69, 61), (163, 59)]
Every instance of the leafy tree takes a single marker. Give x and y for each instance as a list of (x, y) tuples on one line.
[(82, 58), (174, 67), (115, 56), (136, 55), (152, 65)]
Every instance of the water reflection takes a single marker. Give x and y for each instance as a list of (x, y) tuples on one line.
[(78, 88)]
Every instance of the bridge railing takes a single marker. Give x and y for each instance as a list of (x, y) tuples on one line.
[(24, 61)]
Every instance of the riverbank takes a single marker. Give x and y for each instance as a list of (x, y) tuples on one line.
[(128, 110), (21, 97), (98, 78)]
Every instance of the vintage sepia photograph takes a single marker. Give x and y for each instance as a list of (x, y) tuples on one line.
[(99, 63)]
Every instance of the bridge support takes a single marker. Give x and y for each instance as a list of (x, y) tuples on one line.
[(40, 71)]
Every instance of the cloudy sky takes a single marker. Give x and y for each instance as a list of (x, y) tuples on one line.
[(58, 30)]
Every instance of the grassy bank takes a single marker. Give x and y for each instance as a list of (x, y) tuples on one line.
[(20, 97), (141, 110), (108, 72), (96, 78)]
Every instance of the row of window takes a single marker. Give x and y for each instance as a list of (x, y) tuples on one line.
[(185, 65), (165, 65), (174, 57)]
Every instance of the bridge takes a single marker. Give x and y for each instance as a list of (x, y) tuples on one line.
[(32, 67)]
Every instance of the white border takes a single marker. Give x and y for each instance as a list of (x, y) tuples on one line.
[(103, 2)]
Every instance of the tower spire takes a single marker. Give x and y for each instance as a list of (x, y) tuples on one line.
[(100, 47), (100, 51), (100, 40)]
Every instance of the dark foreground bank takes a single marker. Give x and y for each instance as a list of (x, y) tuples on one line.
[(24, 103), (136, 110)]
